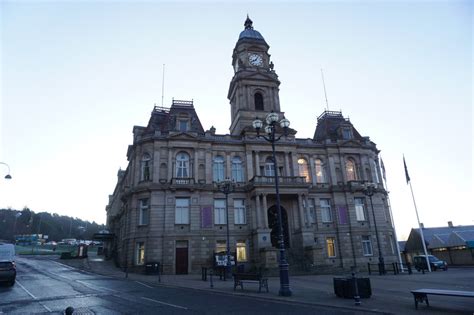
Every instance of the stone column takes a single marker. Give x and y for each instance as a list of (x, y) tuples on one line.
[(228, 171), (258, 211), (294, 162), (264, 211), (249, 166), (312, 170), (196, 165), (257, 163), (301, 211), (170, 164), (208, 166), (287, 164)]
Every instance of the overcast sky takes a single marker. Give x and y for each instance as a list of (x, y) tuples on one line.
[(76, 76)]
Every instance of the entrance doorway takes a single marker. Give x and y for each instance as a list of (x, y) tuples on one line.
[(273, 225), (181, 257)]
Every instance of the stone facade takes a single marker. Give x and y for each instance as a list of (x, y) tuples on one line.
[(167, 207)]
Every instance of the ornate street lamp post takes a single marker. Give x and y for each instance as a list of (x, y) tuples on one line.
[(369, 190), (8, 176), (227, 186), (272, 121)]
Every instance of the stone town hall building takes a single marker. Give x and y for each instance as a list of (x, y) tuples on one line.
[(166, 206)]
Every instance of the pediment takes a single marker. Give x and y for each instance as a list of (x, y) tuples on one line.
[(260, 76), (183, 135), (352, 143)]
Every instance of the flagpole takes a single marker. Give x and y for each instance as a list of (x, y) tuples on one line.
[(417, 217)]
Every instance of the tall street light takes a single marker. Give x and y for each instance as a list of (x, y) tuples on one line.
[(8, 176), (227, 186), (369, 190), (272, 121)]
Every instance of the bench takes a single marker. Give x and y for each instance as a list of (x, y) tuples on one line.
[(421, 295), (241, 277)]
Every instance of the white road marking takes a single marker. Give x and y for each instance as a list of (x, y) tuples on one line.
[(159, 302), (34, 297), (143, 284)]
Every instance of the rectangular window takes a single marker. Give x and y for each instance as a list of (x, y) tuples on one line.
[(325, 210), (359, 208), (331, 246), (183, 125), (241, 251), (311, 211), (182, 211), (140, 253), (143, 212), (221, 246), (219, 211), (367, 245), (239, 211), (346, 133)]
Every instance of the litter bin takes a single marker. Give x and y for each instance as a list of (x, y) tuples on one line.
[(152, 268), (344, 287)]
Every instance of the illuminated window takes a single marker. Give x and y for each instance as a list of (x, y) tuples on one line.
[(351, 170), (241, 251), (182, 211), (145, 167), (303, 169), (325, 205), (140, 253), (366, 245), (221, 246), (219, 211), (320, 174), (182, 165), (218, 169), (331, 246), (237, 171), (143, 212), (359, 209), (269, 167), (239, 211)]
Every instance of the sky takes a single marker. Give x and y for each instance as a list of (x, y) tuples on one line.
[(76, 76)]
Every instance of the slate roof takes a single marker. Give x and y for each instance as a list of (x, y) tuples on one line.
[(329, 125), (447, 236), (249, 33)]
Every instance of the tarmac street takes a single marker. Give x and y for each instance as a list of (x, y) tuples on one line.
[(94, 286)]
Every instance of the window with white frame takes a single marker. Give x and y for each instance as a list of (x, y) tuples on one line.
[(145, 167), (239, 211), (351, 169), (241, 251), (140, 253), (182, 165), (269, 167), (325, 205), (237, 170), (219, 211), (303, 169), (218, 169), (144, 207), (376, 171), (320, 173), (331, 246), (359, 209), (367, 245), (182, 211)]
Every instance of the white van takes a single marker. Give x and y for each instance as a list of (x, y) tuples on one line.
[(7, 263)]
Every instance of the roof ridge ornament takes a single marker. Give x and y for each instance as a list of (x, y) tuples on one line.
[(248, 23)]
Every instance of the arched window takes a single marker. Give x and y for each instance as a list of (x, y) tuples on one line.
[(269, 167), (303, 169), (351, 171), (237, 171), (218, 169), (145, 167), (182, 165), (258, 98), (320, 173)]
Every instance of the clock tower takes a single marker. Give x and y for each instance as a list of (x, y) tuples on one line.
[(253, 91)]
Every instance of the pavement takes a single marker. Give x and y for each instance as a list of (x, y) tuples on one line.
[(390, 293)]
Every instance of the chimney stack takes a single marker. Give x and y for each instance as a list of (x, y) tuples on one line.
[(450, 224)]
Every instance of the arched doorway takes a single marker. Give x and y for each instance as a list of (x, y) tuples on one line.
[(273, 225)]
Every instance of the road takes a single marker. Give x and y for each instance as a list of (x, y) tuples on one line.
[(44, 285)]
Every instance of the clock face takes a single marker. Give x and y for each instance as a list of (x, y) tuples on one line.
[(255, 59)]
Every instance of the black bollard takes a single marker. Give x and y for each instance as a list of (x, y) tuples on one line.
[(211, 272)]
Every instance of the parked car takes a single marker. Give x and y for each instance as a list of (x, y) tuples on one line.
[(7, 263), (435, 263)]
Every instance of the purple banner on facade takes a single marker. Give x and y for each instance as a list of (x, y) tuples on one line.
[(206, 217), (343, 218)]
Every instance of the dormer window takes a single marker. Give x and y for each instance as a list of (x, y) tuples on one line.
[(258, 98), (183, 125), (346, 133)]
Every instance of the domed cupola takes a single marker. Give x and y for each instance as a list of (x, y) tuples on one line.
[(249, 33)]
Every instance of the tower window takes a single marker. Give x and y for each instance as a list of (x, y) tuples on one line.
[(258, 98)]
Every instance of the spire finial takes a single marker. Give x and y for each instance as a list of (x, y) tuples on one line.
[(248, 23)]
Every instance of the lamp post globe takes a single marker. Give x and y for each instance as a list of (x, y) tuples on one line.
[(272, 120)]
